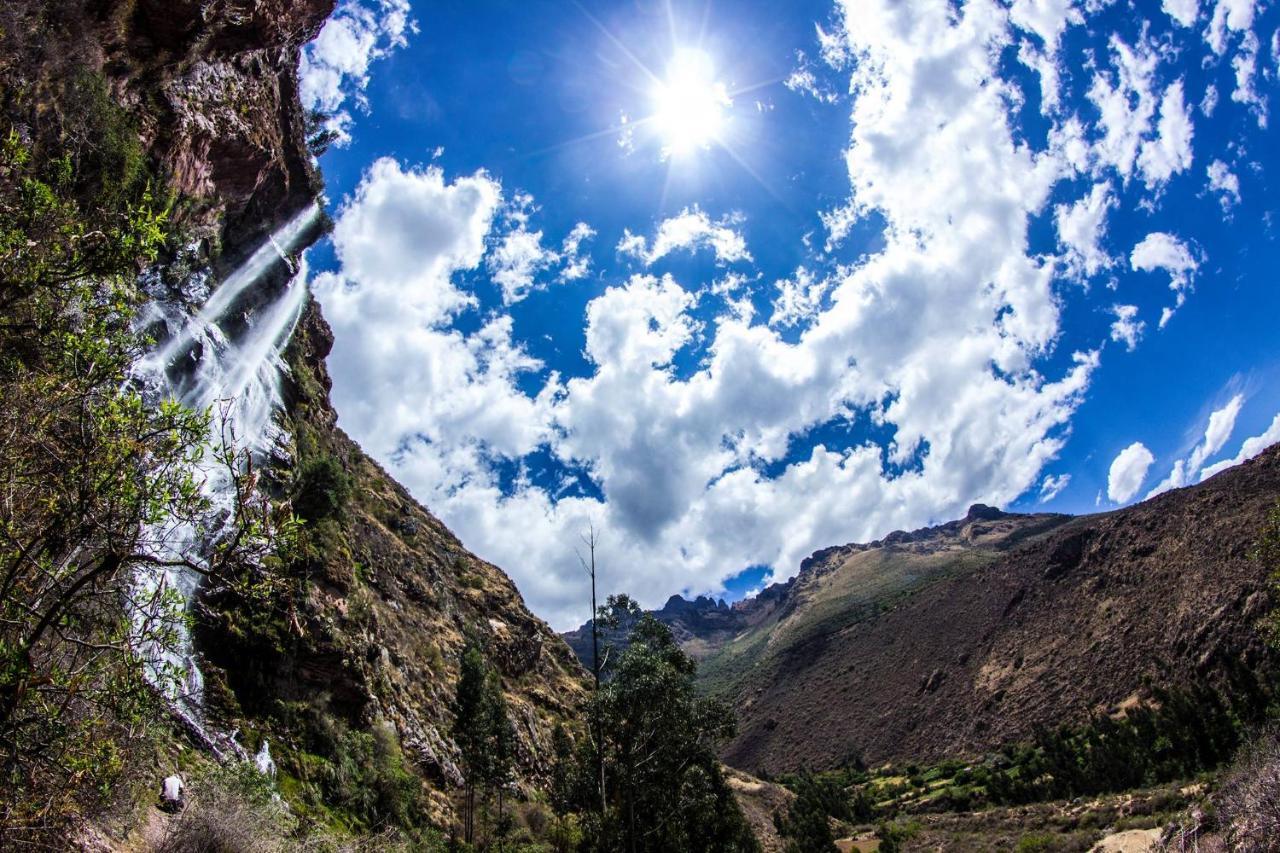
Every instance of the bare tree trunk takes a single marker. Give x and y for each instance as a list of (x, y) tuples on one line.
[(590, 540)]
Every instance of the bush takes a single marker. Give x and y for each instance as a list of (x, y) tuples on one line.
[(321, 490), (1249, 799), (1035, 843), (232, 811)]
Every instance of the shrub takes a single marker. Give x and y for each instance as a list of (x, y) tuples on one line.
[(321, 489), (232, 811), (1249, 799)]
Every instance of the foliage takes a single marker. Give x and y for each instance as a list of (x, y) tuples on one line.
[(322, 489), (664, 790), (1184, 733), (1249, 797), (320, 132), (485, 737), (96, 480), (807, 825)]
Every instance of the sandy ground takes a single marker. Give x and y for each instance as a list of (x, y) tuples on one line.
[(1133, 841)]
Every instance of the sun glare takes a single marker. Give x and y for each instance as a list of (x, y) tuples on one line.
[(690, 105)]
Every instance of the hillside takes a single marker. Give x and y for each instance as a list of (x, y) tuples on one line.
[(835, 588), (381, 597), (1073, 617)]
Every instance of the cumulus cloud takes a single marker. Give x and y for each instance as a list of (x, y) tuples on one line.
[(1169, 152), (799, 298), (1162, 251), (1128, 470), (1126, 102), (1127, 328), (576, 264), (1224, 182), (1052, 486), (516, 262), (1251, 447), (335, 67), (1216, 433), (398, 369), (1048, 20), (1184, 12), (691, 230), (685, 436), (1081, 228)]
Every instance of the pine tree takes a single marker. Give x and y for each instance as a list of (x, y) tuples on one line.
[(470, 731)]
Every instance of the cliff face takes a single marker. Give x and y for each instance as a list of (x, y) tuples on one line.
[(384, 602), (384, 596)]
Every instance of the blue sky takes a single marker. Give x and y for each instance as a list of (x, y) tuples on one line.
[(736, 281)]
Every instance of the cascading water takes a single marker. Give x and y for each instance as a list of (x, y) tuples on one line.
[(226, 358)]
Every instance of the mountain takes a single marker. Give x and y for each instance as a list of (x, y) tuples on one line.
[(957, 639), (1066, 618), (835, 587), (381, 599)]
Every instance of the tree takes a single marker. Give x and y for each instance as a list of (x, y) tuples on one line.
[(485, 737), (469, 731), (659, 742), (597, 727), (807, 825)]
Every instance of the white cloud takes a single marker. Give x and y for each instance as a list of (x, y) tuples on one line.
[(1209, 102), (1224, 182), (1229, 15), (1161, 251), (1184, 12), (516, 262), (398, 369), (799, 298), (680, 430), (1251, 447), (1127, 103), (1047, 19), (576, 264), (1081, 227), (1216, 433), (335, 67), (803, 81), (1127, 327), (1170, 151), (691, 230), (1245, 63), (1052, 486), (1128, 470)]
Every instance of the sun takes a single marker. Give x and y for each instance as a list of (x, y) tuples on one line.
[(691, 107)]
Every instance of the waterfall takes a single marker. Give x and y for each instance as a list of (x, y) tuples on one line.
[(225, 357)]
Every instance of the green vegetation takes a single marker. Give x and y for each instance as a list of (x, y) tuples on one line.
[(322, 489), (485, 739), (94, 478), (807, 824), (661, 787)]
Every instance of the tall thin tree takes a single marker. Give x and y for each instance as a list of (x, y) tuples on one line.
[(589, 565)]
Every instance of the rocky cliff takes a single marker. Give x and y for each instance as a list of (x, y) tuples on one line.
[(383, 597)]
